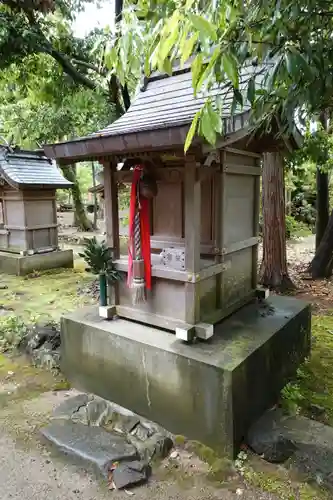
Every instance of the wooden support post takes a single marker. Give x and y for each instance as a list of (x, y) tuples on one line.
[(111, 209), (192, 194), (112, 217), (256, 214), (219, 224)]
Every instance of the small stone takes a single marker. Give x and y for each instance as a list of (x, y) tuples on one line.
[(158, 446), (3, 287), (317, 410), (239, 492), (174, 455), (267, 440), (128, 474)]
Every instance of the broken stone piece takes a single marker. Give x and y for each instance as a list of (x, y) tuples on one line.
[(267, 439), (67, 408), (129, 474), (91, 444), (142, 432)]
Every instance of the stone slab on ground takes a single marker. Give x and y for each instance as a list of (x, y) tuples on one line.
[(91, 444), (150, 439), (312, 442), (209, 391)]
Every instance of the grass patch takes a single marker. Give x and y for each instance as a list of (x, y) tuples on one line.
[(277, 482), (314, 384)]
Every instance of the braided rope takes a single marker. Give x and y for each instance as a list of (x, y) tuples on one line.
[(137, 235)]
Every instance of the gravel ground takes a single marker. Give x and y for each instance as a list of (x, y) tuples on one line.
[(31, 471)]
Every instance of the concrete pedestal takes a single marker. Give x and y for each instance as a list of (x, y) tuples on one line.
[(21, 265), (209, 391)]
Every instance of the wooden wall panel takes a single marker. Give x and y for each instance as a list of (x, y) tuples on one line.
[(167, 219), (14, 213), (39, 212), (206, 211), (239, 208)]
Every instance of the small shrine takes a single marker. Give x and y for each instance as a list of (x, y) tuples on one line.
[(184, 340), (28, 212)]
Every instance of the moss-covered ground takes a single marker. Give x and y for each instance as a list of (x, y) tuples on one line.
[(44, 295)]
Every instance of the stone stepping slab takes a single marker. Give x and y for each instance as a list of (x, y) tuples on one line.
[(91, 444)]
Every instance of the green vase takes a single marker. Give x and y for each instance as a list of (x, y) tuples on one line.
[(102, 290)]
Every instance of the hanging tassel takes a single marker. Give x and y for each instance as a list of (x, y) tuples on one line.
[(138, 282)]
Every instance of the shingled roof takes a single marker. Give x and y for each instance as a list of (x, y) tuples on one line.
[(168, 101), (28, 169), (164, 103)]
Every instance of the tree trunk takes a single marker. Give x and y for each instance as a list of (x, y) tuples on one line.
[(322, 262), (322, 205), (80, 217), (274, 272)]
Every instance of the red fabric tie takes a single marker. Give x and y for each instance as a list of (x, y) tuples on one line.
[(143, 209)]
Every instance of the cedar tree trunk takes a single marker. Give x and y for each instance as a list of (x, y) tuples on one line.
[(322, 262), (274, 272), (322, 205), (80, 217)]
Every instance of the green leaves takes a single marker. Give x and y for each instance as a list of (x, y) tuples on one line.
[(230, 66), (205, 28), (208, 122), (192, 131), (251, 89), (98, 257), (206, 127)]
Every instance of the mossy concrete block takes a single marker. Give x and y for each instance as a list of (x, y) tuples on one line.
[(209, 391), (22, 265)]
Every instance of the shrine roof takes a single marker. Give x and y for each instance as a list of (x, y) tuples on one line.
[(159, 117), (29, 169)]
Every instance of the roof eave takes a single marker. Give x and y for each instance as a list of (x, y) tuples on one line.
[(104, 145), (21, 185)]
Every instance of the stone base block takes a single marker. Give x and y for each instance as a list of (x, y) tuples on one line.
[(25, 264), (209, 391)]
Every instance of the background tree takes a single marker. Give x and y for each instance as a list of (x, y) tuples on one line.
[(40, 104), (43, 27)]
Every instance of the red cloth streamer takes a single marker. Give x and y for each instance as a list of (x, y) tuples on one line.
[(144, 227)]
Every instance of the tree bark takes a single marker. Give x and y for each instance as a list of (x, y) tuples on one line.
[(80, 217), (322, 262), (322, 205), (322, 202), (274, 271)]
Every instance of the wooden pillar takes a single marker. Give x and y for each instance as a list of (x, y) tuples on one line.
[(111, 214), (256, 215), (219, 215), (192, 200), (111, 211)]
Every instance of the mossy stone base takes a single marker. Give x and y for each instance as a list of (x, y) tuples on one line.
[(21, 265), (209, 391)]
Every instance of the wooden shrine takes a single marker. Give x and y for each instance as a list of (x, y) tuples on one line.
[(203, 239), (28, 214), (204, 217)]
